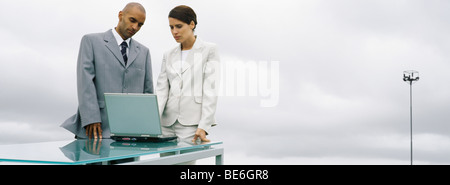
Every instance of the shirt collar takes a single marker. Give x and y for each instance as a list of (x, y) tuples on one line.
[(119, 38)]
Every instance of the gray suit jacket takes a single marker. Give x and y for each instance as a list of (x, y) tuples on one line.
[(101, 69)]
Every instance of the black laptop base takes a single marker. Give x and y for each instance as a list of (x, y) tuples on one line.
[(143, 139)]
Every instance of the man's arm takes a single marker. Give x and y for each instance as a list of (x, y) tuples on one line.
[(148, 83), (87, 92)]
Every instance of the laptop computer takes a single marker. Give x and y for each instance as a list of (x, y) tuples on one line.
[(134, 117)]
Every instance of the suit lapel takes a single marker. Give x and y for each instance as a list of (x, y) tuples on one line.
[(190, 59), (176, 57), (111, 44), (187, 64), (176, 60), (133, 52)]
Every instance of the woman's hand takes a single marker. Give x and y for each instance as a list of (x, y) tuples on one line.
[(202, 134)]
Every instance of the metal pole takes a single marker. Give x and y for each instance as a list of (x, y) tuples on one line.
[(410, 118)]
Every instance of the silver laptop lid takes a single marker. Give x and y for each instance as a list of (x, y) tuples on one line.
[(133, 114)]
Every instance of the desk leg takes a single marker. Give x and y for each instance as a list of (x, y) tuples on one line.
[(219, 159), (121, 161), (137, 158), (183, 157)]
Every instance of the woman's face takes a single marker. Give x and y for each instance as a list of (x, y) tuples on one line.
[(180, 30)]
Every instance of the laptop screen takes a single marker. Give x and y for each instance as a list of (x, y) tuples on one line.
[(133, 114)]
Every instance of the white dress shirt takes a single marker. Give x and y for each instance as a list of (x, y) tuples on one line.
[(184, 54), (120, 40)]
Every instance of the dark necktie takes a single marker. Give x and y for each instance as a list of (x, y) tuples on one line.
[(124, 52)]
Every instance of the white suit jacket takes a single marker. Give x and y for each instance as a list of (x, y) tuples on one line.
[(188, 93)]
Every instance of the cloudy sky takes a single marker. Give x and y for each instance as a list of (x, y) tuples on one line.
[(328, 88)]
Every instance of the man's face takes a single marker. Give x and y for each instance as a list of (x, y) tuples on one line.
[(130, 22)]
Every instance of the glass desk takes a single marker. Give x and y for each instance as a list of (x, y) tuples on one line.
[(108, 151)]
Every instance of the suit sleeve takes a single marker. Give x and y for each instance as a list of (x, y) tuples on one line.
[(162, 87), (86, 89), (211, 82), (148, 84)]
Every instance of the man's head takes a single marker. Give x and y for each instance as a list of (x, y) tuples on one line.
[(131, 19)]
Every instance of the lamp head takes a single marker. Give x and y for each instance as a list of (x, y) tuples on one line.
[(410, 76)]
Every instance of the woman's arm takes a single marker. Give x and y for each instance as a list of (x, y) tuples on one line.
[(211, 82), (162, 87)]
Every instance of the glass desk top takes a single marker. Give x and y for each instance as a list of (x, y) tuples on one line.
[(90, 151)]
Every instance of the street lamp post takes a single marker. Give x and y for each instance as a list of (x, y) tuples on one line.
[(410, 77)]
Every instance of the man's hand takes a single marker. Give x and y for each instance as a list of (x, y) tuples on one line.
[(95, 130), (202, 134), (93, 146)]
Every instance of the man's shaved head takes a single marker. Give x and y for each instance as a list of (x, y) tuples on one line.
[(132, 5), (131, 19)]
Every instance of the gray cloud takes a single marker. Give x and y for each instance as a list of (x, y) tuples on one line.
[(341, 101)]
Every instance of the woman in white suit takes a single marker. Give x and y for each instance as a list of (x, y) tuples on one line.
[(187, 86)]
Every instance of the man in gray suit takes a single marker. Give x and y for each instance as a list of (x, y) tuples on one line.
[(109, 62)]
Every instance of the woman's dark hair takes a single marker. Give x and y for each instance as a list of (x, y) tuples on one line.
[(184, 13)]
